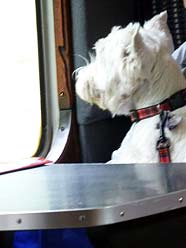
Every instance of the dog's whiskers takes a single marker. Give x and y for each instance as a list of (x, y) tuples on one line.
[(83, 58), (76, 71)]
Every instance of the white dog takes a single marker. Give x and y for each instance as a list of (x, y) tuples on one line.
[(132, 70)]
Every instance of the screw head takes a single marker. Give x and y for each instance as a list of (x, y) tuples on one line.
[(82, 218), (62, 93), (122, 213), (62, 128), (19, 221), (180, 199)]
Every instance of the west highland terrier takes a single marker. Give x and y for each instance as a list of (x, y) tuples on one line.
[(134, 74)]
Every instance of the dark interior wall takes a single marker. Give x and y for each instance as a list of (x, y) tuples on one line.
[(101, 16)]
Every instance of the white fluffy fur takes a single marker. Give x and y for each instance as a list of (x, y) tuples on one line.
[(132, 69)]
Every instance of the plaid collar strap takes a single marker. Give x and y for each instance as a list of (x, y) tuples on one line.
[(176, 101)]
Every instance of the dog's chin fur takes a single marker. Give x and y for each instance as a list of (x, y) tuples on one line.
[(133, 68)]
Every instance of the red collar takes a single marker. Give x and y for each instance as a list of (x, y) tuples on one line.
[(176, 101)]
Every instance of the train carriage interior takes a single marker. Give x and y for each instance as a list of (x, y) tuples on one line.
[(95, 134)]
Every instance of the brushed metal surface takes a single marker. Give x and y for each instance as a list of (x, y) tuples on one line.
[(76, 195)]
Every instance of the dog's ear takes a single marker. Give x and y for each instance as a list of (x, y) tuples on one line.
[(157, 22), (158, 26), (137, 42), (115, 29)]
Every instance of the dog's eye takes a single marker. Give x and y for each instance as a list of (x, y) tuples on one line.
[(124, 96), (126, 53)]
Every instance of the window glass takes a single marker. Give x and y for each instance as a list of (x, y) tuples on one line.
[(20, 110)]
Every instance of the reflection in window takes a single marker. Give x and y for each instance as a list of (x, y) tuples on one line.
[(20, 125)]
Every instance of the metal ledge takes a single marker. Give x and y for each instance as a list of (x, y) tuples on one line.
[(85, 195)]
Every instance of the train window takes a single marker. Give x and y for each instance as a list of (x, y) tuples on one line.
[(29, 101), (20, 126), (36, 101)]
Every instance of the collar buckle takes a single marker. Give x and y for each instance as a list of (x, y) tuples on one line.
[(134, 115)]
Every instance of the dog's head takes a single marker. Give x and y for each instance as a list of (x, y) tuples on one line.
[(123, 62)]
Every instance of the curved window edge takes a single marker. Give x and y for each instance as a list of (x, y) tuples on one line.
[(58, 127), (49, 95)]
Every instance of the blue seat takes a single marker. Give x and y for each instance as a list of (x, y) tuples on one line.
[(64, 238)]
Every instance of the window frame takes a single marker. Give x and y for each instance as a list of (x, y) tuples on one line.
[(48, 79), (59, 139)]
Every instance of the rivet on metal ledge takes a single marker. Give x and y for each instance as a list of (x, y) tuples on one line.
[(82, 218), (180, 199), (19, 221), (122, 213)]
